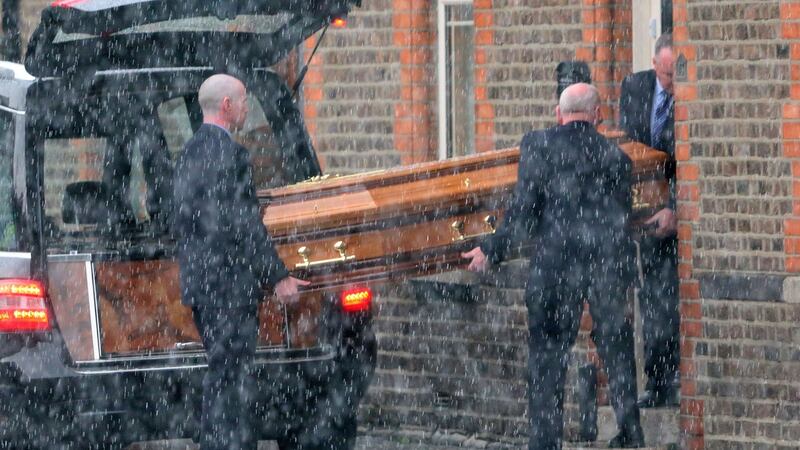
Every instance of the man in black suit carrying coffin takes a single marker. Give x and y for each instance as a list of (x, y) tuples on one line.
[(647, 115), (226, 260), (573, 198)]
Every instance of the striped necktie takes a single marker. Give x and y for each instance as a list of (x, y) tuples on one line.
[(662, 113)]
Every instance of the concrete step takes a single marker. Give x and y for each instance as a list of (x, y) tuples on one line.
[(596, 445), (661, 428)]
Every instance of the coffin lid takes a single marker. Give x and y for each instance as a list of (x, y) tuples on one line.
[(80, 36), (647, 163)]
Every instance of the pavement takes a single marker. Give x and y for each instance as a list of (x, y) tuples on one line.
[(660, 426), (399, 441)]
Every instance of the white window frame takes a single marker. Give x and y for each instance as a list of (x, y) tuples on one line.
[(646, 29), (442, 71)]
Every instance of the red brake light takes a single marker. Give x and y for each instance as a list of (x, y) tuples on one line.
[(358, 299), (66, 3), (23, 306), (339, 22)]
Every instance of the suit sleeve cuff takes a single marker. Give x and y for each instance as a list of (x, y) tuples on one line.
[(276, 272)]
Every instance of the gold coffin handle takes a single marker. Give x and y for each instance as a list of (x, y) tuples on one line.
[(457, 227), (305, 253), (638, 199)]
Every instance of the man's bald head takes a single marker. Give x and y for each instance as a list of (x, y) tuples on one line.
[(223, 99), (579, 101)]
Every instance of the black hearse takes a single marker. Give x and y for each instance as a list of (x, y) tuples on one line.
[(95, 349)]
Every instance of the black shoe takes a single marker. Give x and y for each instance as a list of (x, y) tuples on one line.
[(623, 440), (651, 398), (672, 398), (676, 380), (666, 398)]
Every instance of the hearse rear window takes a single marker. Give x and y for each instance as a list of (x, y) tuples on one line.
[(8, 228), (109, 160), (256, 135)]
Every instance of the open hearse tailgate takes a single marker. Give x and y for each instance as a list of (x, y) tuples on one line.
[(80, 36)]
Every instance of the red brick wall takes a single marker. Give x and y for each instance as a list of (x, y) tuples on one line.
[(736, 125), (790, 30), (520, 49), (352, 91), (414, 24), (607, 47), (688, 196), (484, 18)]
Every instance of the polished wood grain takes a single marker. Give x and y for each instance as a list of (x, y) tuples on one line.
[(397, 222), (141, 312), (69, 294), (140, 308), (306, 316)]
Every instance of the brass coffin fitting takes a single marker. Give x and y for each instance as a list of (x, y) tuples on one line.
[(638, 199), (491, 223), (304, 253), (340, 248), (458, 228)]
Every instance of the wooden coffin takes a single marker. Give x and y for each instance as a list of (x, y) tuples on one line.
[(412, 220), (366, 227)]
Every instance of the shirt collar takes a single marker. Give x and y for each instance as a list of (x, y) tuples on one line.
[(659, 88), (221, 128)]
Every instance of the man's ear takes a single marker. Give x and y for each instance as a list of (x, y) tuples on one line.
[(226, 104), (598, 119), (559, 118)]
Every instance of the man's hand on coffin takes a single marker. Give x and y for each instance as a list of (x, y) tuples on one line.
[(666, 223), (286, 290), (478, 261)]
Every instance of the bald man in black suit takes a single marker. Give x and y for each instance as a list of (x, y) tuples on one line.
[(226, 259), (573, 198)]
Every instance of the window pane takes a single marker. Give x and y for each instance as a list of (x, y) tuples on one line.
[(8, 229), (266, 157), (460, 50), (174, 117), (459, 13), (68, 161)]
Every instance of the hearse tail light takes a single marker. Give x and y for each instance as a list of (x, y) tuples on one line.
[(357, 299), (23, 307), (339, 22), (66, 3)]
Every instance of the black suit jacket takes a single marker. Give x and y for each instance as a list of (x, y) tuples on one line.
[(226, 257), (635, 111), (636, 108), (573, 198)]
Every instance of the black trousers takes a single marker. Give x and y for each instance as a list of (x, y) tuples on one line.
[(554, 319), (229, 337), (659, 306)]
